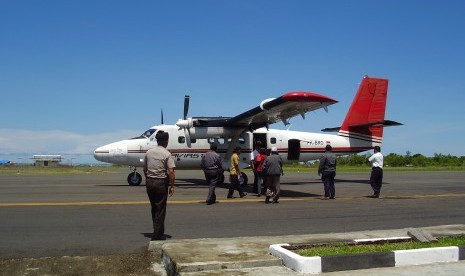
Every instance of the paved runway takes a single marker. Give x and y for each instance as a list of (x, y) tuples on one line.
[(93, 214)]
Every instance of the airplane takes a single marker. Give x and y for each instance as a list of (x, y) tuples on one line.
[(190, 138), (5, 163)]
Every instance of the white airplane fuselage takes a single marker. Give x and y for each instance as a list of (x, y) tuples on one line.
[(293, 146)]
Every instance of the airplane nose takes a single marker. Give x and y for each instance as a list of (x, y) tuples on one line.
[(101, 153)]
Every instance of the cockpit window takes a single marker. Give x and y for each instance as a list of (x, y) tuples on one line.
[(146, 134)]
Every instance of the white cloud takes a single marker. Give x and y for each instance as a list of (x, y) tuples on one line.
[(13, 141)]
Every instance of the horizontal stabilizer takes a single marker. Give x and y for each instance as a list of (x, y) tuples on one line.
[(385, 123), (331, 129)]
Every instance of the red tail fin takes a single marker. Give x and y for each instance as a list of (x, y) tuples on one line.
[(365, 118)]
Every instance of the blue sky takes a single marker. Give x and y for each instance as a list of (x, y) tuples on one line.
[(78, 74)]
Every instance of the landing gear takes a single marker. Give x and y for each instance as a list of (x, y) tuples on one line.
[(134, 178)]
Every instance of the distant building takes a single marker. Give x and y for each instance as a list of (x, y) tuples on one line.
[(46, 160)]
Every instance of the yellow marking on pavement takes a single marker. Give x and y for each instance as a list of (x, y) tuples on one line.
[(196, 201), (25, 204)]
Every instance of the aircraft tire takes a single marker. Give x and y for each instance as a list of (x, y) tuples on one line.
[(134, 179)]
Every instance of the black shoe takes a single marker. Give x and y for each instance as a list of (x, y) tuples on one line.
[(332, 197), (244, 194), (160, 238)]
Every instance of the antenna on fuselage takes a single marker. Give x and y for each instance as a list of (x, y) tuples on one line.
[(162, 120)]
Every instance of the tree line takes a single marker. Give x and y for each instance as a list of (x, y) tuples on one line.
[(397, 160)]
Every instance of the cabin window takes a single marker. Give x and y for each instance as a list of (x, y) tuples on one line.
[(146, 134), (241, 140), (272, 140), (182, 140)]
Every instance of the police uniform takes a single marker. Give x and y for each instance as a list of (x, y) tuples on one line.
[(327, 169), (212, 168), (158, 161)]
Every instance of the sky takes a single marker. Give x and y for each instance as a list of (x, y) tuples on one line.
[(75, 75)]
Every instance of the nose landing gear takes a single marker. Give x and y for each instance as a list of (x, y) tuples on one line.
[(134, 178)]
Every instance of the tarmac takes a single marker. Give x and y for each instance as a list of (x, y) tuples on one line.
[(251, 255)]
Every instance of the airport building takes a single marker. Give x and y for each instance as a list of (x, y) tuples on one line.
[(46, 160)]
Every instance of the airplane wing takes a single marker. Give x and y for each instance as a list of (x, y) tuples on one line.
[(280, 109)]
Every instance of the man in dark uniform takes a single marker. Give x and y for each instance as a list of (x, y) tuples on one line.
[(159, 173), (327, 170), (212, 168), (274, 170)]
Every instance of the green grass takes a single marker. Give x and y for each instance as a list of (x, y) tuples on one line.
[(299, 168), (344, 249), (340, 169), (32, 170)]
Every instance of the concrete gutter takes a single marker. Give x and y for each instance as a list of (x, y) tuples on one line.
[(194, 256)]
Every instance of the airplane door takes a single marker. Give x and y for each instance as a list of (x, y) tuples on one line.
[(260, 137), (293, 149)]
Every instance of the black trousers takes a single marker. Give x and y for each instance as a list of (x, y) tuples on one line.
[(255, 181), (328, 182), (376, 180), (157, 190), (211, 176), (234, 178)]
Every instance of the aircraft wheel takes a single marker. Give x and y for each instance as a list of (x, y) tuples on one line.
[(243, 179), (134, 179)]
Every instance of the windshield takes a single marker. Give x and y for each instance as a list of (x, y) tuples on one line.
[(146, 134)]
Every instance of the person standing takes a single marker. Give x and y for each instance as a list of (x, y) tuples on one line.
[(258, 163), (234, 172), (273, 169), (327, 170), (159, 173), (376, 177), (212, 168), (258, 146)]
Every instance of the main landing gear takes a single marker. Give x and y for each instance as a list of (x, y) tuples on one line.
[(134, 178)]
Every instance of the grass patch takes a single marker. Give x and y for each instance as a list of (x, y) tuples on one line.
[(345, 249), (32, 170), (355, 169)]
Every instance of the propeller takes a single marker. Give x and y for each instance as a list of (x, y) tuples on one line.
[(186, 123), (186, 106)]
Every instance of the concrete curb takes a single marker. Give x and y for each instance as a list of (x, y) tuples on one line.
[(316, 265), (174, 267)]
